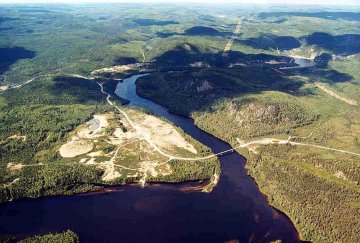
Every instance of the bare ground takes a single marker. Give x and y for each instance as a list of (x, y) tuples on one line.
[(162, 133), (335, 95), (75, 147), (23, 138), (117, 69), (231, 40)]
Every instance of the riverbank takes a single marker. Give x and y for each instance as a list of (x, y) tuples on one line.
[(291, 172)]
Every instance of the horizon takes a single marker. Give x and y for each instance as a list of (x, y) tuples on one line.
[(179, 121), (211, 2)]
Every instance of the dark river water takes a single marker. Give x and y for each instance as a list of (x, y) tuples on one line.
[(234, 210)]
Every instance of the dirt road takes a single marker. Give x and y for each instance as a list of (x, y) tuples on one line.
[(335, 95)]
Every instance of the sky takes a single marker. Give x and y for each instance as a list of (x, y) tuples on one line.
[(325, 2)]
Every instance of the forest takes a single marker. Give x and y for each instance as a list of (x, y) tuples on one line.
[(51, 58)]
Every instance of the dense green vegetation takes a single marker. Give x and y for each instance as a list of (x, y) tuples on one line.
[(53, 179), (272, 42), (256, 115), (41, 114), (37, 118), (190, 171), (184, 92), (308, 186), (44, 111), (64, 237)]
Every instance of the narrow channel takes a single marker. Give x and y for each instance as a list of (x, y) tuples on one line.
[(234, 211)]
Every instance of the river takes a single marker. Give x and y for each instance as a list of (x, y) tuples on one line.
[(234, 210), (301, 63)]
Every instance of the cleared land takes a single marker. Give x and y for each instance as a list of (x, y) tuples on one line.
[(109, 142), (230, 42), (335, 95)]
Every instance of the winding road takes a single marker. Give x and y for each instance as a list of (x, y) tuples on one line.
[(264, 141), (146, 138)]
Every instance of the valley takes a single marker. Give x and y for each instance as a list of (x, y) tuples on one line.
[(186, 123)]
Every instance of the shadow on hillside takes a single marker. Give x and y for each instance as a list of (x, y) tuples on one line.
[(207, 18), (352, 16), (197, 31), (199, 88), (166, 34), (125, 60), (11, 55), (203, 30), (321, 73), (78, 90), (149, 22), (188, 54), (339, 44), (269, 41)]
